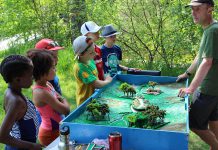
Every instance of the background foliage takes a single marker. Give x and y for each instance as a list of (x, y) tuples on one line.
[(155, 34)]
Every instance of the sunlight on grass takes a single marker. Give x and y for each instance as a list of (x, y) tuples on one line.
[(195, 143)]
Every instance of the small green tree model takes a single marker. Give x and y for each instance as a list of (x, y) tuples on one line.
[(151, 89), (97, 109), (149, 118), (123, 87), (131, 90), (152, 84), (127, 89)]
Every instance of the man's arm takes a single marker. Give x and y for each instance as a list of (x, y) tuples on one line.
[(199, 77), (189, 71), (193, 66), (201, 73)]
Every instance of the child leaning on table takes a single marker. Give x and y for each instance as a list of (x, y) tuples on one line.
[(85, 71), (20, 126), (112, 53)]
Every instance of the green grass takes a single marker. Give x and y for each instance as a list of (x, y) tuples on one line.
[(195, 143), (67, 82)]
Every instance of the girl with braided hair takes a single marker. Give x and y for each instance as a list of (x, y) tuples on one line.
[(19, 129)]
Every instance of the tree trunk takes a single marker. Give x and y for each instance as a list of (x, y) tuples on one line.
[(78, 18)]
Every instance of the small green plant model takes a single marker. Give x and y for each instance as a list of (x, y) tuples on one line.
[(152, 84), (127, 89), (97, 110), (151, 89), (151, 118)]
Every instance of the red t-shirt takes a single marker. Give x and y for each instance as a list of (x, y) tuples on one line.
[(99, 63)]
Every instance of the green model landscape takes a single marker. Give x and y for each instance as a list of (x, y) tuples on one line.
[(115, 107)]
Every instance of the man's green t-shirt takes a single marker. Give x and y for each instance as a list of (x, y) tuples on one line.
[(209, 49)]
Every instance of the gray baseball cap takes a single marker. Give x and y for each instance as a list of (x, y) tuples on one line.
[(81, 44)]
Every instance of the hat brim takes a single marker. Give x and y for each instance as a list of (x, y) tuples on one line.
[(56, 48), (193, 4), (95, 30), (110, 34)]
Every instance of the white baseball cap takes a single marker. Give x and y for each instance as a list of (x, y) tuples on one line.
[(81, 44), (89, 26)]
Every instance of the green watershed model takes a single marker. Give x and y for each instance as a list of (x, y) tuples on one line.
[(151, 105), (144, 109)]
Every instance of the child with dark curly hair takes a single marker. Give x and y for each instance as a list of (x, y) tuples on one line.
[(47, 101), (19, 128)]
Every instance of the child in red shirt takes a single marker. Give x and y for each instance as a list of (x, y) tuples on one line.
[(91, 29)]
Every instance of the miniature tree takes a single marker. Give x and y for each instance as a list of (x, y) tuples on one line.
[(151, 89), (97, 110), (131, 91), (131, 120), (123, 87), (154, 114), (149, 118), (127, 89), (152, 84)]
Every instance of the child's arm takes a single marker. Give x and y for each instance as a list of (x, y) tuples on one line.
[(99, 83), (123, 68), (42, 97), (14, 111)]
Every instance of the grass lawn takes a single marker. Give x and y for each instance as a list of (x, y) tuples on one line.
[(64, 72)]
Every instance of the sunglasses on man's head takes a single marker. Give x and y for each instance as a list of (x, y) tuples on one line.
[(89, 42), (52, 45)]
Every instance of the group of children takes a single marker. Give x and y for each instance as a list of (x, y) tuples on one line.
[(95, 66), (93, 69)]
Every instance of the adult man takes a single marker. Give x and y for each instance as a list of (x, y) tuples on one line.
[(204, 109)]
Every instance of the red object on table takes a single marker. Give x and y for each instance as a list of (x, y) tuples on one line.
[(115, 141)]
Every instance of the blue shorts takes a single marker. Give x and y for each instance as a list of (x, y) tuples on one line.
[(7, 147), (202, 110)]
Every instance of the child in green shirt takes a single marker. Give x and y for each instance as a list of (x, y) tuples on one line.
[(85, 71)]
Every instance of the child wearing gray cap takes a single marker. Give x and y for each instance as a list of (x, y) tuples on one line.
[(85, 71)]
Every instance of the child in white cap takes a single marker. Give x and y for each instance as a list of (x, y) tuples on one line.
[(91, 29), (111, 53), (85, 71)]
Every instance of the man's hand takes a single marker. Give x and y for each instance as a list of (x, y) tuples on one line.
[(182, 77), (184, 91)]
